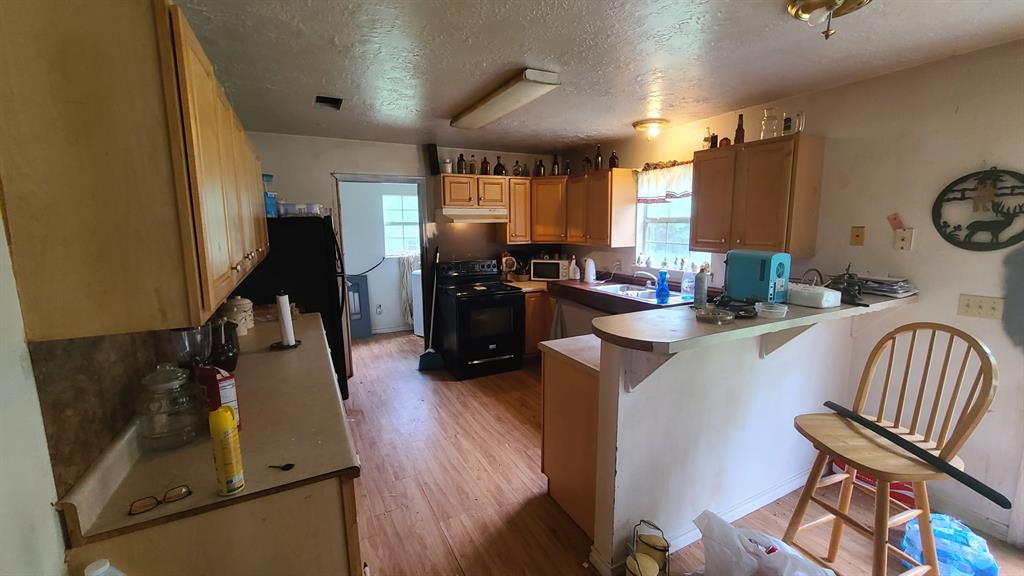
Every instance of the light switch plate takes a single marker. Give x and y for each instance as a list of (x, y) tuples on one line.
[(856, 235), (903, 239), (990, 307)]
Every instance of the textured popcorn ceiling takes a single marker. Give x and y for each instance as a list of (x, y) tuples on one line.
[(405, 67)]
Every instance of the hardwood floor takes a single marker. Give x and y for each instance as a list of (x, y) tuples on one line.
[(451, 481)]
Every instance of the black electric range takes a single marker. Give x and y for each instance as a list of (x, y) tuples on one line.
[(481, 321)]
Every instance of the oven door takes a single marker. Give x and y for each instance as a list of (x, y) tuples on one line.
[(490, 328)]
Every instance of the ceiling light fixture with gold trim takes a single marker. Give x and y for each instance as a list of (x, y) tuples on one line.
[(815, 12), (650, 127)]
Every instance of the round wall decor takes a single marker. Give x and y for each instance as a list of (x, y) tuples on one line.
[(982, 210)]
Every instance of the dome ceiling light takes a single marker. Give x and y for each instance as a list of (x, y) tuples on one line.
[(650, 127), (815, 12)]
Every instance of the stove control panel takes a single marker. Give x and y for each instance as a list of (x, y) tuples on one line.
[(468, 268)]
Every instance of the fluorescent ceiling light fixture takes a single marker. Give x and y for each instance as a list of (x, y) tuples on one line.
[(514, 94)]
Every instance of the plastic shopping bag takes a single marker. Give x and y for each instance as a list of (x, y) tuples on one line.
[(731, 551)]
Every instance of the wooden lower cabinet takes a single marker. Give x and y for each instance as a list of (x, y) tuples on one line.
[(310, 529), (569, 430), (540, 311)]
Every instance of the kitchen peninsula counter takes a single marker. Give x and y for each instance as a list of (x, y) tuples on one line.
[(291, 412), (676, 329)]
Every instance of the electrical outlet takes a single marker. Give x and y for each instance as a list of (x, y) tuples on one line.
[(380, 309), (990, 307), (903, 239), (856, 235)]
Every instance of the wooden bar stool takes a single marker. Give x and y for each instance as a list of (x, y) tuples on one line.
[(952, 397)]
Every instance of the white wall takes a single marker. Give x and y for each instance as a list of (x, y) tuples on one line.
[(892, 144), (31, 543), (363, 235)]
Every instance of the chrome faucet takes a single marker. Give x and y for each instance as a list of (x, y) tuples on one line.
[(646, 274), (814, 281)]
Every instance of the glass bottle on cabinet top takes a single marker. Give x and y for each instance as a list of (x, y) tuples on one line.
[(568, 169), (499, 168), (769, 124), (460, 165), (740, 132), (613, 160), (587, 164), (485, 167), (539, 170), (517, 170), (598, 159), (556, 169), (472, 163)]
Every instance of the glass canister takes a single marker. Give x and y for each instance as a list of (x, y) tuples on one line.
[(168, 409), (769, 124)]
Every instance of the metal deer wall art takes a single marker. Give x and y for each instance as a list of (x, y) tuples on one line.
[(982, 210)]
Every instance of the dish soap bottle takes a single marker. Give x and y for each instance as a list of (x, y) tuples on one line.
[(574, 269), (661, 293), (700, 287)]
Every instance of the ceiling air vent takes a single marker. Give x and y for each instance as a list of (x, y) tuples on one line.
[(327, 102)]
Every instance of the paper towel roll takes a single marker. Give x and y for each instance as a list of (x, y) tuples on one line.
[(284, 316)]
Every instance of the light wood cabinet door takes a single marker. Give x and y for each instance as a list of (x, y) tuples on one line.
[(576, 209), (246, 184), (232, 187), (458, 190), (547, 209), (760, 208), (711, 218), (202, 109), (538, 321), (599, 206), (492, 191), (518, 211)]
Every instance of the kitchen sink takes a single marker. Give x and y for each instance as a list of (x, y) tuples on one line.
[(640, 293)]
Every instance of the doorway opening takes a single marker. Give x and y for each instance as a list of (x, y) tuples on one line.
[(381, 233)]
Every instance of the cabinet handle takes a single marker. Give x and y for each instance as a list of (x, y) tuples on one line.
[(237, 267), (739, 240), (710, 241)]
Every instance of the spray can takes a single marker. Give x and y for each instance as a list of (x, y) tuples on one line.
[(227, 452)]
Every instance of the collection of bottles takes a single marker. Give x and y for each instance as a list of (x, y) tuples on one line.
[(769, 129), (558, 168)]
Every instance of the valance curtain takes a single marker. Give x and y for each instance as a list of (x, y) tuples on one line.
[(655, 186)]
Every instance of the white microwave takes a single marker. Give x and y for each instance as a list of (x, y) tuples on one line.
[(549, 269)]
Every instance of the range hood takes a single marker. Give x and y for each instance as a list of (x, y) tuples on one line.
[(473, 215)]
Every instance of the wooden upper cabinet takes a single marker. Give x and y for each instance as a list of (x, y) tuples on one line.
[(492, 191), (576, 209), (711, 215), (760, 201), (458, 190), (210, 178), (761, 195), (518, 229), (163, 202), (547, 209)]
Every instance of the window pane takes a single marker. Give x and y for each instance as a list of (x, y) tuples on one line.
[(410, 216), (656, 232), (392, 246), (392, 216), (410, 203), (411, 231), (392, 231), (412, 244), (679, 233), (657, 210), (392, 202)]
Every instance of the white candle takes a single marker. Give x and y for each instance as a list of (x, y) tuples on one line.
[(284, 315)]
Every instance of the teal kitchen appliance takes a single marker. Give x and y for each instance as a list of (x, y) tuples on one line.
[(755, 276)]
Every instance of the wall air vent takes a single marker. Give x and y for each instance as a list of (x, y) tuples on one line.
[(327, 102)]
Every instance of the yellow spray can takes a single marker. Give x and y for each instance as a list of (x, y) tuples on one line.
[(227, 453)]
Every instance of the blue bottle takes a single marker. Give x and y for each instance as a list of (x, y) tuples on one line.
[(662, 292)]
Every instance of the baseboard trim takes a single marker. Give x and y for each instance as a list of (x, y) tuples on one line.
[(603, 566), (391, 329), (741, 509)]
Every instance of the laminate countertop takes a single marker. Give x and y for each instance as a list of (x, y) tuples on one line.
[(530, 285), (672, 330), (291, 412), (584, 350)]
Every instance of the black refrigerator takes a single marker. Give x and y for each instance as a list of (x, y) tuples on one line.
[(305, 262)]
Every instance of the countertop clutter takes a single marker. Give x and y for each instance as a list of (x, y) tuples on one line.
[(291, 412)]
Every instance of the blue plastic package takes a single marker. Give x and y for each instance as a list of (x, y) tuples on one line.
[(961, 552)]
